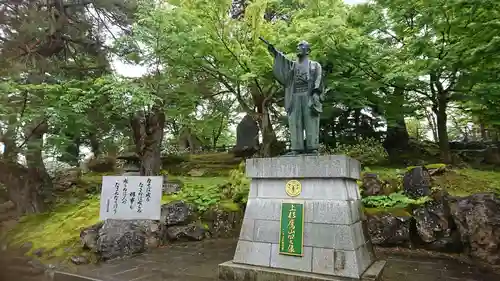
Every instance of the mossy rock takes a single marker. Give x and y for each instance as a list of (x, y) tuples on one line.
[(229, 206), (173, 159), (429, 166), (397, 212)]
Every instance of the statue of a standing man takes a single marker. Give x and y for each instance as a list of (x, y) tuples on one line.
[(303, 96)]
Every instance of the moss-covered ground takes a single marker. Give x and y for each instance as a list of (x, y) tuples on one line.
[(458, 182), (60, 229)]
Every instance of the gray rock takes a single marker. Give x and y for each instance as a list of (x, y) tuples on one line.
[(223, 223), (176, 213), (478, 220), (119, 238), (247, 137), (417, 182), (34, 263), (7, 206), (89, 236), (372, 185), (153, 232), (26, 247), (386, 229), (435, 226), (78, 260), (193, 232), (171, 186)]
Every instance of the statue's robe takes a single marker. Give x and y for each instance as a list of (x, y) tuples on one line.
[(303, 108)]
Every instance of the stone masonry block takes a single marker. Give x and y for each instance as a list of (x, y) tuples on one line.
[(291, 262), (263, 209), (252, 193), (253, 253), (333, 211), (326, 166), (320, 189), (247, 227), (341, 237), (335, 262), (266, 231), (365, 256), (353, 192)]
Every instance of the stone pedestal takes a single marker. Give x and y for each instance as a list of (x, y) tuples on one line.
[(336, 244)]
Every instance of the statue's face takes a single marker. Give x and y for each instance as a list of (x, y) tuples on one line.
[(303, 49)]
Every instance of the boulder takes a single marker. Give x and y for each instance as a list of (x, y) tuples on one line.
[(436, 228), (7, 206), (417, 182), (153, 232), (176, 213), (78, 260), (120, 238), (386, 229), (436, 169), (150, 230), (492, 155), (372, 185), (102, 164), (190, 232), (66, 179), (478, 220), (222, 222), (197, 172), (89, 236)]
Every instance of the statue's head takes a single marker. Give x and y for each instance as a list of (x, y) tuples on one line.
[(303, 49)]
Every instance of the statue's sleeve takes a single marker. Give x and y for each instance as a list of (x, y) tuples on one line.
[(282, 68), (319, 77)]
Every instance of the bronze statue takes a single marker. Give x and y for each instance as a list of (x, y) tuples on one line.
[(303, 96)]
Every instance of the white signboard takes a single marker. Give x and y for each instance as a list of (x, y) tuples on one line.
[(131, 197)]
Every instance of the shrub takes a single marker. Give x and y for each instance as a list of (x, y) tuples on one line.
[(203, 197), (394, 200), (368, 151), (238, 185), (173, 159), (101, 164)]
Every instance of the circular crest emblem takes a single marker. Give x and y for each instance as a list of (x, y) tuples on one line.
[(293, 188)]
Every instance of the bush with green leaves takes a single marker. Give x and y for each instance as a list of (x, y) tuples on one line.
[(203, 197), (368, 151), (394, 200), (238, 185)]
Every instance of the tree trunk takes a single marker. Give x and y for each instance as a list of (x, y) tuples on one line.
[(94, 144), (148, 136), (442, 131), (10, 150), (23, 187), (34, 159), (484, 135), (432, 124), (269, 139), (357, 115), (217, 134)]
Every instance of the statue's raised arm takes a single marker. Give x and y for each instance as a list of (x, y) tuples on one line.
[(302, 79), (282, 67)]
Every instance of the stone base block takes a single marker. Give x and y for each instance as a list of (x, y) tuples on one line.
[(230, 271)]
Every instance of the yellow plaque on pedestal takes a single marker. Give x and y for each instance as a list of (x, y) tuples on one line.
[(293, 188)]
